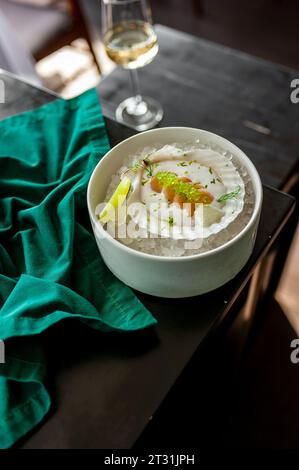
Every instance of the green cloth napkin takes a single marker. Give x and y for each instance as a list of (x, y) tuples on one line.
[(50, 267)]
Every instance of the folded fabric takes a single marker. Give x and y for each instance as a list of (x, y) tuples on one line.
[(50, 267)]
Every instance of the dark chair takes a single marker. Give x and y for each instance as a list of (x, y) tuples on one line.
[(43, 30)]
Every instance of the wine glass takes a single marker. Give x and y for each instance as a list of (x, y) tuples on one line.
[(131, 42)]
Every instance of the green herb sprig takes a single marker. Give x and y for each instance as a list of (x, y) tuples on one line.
[(182, 164), (233, 194), (149, 167), (145, 164)]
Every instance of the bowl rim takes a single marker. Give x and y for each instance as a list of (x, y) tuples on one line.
[(255, 214)]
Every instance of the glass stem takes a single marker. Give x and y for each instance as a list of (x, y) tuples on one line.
[(136, 106), (135, 85)]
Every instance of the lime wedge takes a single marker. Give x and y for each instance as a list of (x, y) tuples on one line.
[(211, 215), (116, 199)]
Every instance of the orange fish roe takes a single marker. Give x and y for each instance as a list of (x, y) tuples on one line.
[(179, 199), (205, 197), (180, 190), (185, 180), (169, 193), (156, 185)]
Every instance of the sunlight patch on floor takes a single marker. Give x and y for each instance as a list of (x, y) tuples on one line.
[(71, 70)]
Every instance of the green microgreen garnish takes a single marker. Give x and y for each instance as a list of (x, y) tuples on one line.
[(213, 181), (171, 180), (210, 170), (146, 164), (149, 167), (182, 164), (170, 221), (226, 197), (137, 166)]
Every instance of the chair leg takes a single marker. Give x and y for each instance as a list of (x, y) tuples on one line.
[(92, 50)]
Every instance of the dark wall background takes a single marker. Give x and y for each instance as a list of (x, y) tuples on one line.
[(266, 28)]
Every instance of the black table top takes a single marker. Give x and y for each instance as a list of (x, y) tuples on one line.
[(204, 85), (106, 391)]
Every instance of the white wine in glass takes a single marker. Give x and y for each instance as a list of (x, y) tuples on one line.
[(131, 42)]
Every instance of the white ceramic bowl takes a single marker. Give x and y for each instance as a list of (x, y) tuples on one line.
[(171, 276)]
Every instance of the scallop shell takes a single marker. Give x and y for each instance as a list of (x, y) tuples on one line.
[(170, 158)]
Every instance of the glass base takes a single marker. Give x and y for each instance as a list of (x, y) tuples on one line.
[(139, 115)]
